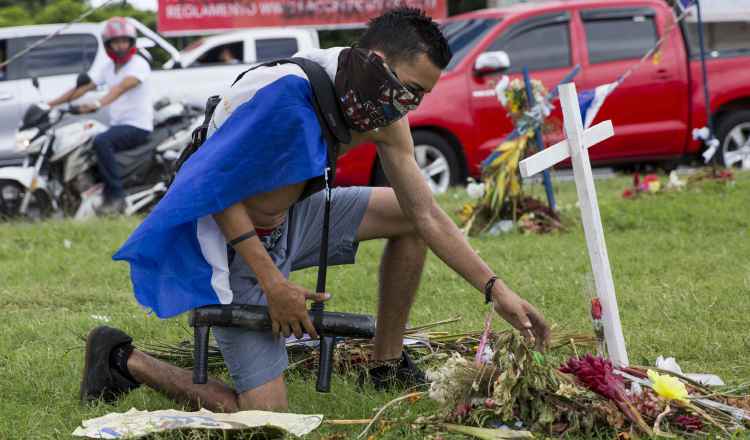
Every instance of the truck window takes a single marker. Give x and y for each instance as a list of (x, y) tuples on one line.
[(231, 53), (63, 54), (722, 39), (541, 47), (272, 48), (613, 37), (463, 35)]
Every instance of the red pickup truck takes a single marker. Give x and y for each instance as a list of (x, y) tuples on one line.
[(654, 111)]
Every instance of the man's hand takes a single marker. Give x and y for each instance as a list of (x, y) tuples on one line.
[(86, 108), (521, 315), (288, 309)]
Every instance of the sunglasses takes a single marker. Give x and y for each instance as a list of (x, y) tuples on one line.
[(418, 94)]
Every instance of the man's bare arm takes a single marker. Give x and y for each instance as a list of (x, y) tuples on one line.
[(72, 94), (115, 92), (396, 152), (286, 301), (233, 222)]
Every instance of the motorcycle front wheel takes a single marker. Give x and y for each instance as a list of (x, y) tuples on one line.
[(12, 194)]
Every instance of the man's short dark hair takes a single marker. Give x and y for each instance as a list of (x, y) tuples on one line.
[(404, 33)]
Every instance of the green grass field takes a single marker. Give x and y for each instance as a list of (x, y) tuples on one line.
[(680, 261)]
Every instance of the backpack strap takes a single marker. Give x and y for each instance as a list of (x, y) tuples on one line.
[(198, 136)]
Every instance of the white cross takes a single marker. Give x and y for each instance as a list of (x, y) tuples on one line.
[(575, 147)]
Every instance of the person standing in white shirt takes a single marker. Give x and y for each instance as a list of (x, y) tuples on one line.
[(129, 102)]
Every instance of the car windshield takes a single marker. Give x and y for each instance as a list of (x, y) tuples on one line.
[(463, 35)]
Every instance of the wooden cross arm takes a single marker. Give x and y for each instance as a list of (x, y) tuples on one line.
[(561, 150)]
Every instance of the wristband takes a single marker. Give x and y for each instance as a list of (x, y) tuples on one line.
[(243, 237), (97, 104), (488, 289)]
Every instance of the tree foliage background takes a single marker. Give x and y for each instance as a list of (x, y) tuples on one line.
[(25, 12)]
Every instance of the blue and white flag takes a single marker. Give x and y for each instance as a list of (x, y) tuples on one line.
[(685, 4), (590, 101), (264, 135)]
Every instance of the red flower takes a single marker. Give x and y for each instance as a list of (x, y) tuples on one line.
[(689, 423), (596, 309), (596, 374)]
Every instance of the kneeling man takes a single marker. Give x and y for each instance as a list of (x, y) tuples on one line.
[(250, 186)]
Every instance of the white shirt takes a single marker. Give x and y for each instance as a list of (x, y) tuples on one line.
[(134, 107)]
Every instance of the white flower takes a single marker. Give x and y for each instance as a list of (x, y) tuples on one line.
[(444, 388), (475, 189), (500, 89)]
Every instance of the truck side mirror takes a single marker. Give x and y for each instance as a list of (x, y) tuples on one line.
[(83, 79), (496, 61)]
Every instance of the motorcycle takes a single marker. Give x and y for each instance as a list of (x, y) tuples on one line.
[(59, 173)]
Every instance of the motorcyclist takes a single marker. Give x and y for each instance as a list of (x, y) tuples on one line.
[(129, 100)]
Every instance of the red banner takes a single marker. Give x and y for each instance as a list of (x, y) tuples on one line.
[(199, 16)]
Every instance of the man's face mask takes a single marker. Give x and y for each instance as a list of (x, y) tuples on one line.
[(369, 92)]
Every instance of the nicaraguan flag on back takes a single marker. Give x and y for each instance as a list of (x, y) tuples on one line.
[(591, 101), (264, 135)]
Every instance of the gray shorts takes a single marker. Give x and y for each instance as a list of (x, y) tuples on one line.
[(254, 358)]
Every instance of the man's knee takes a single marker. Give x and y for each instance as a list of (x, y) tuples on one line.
[(384, 218), (101, 143)]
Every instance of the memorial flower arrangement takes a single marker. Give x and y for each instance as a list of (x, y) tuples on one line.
[(501, 196), (493, 385), (652, 183), (520, 388)]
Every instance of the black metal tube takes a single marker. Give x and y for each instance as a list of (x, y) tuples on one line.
[(325, 366), (200, 354), (254, 317)]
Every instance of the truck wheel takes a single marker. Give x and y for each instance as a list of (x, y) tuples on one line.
[(435, 157), (734, 138)]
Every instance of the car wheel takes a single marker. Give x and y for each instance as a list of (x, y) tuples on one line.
[(734, 140), (436, 159)]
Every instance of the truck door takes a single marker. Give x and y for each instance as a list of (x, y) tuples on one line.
[(543, 45), (650, 108)]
